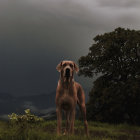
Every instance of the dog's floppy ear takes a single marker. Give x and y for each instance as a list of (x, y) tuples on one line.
[(76, 68), (59, 66)]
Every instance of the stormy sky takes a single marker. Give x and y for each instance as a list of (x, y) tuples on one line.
[(35, 35)]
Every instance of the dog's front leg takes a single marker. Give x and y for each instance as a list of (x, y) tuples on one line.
[(67, 114), (59, 119), (72, 121)]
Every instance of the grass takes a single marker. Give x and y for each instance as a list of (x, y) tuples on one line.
[(47, 131)]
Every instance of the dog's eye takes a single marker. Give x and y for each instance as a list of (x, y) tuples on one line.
[(71, 65), (64, 65)]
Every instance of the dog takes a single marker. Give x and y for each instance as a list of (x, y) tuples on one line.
[(68, 94)]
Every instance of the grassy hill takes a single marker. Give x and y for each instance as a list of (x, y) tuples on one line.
[(46, 130)]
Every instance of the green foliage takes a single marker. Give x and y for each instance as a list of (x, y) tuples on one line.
[(115, 96), (46, 130), (115, 53), (22, 126), (28, 117)]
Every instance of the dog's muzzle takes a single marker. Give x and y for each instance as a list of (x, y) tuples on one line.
[(67, 72)]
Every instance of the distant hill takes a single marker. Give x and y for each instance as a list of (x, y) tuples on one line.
[(37, 103), (8, 103), (42, 105), (42, 101)]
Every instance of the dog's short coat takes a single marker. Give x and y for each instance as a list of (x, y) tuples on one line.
[(68, 94)]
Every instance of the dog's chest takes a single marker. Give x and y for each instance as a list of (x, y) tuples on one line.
[(66, 92), (69, 92), (68, 98)]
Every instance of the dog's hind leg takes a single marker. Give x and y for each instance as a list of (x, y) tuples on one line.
[(83, 111), (82, 106)]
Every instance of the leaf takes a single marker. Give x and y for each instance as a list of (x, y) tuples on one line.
[(27, 111)]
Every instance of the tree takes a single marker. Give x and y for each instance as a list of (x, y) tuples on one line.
[(115, 95)]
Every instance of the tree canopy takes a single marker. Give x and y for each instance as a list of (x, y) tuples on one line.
[(115, 96)]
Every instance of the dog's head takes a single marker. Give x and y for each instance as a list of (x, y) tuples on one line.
[(67, 68)]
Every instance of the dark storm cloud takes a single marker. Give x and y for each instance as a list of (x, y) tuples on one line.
[(35, 35), (120, 3)]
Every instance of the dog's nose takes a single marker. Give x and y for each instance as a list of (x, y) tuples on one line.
[(67, 71)]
